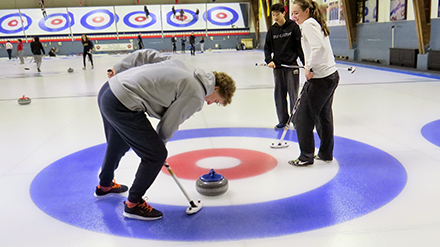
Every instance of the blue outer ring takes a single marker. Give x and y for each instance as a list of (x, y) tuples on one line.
[(42, 22), (104, 11), (227, 23), (128, 23), (431, 132), (29, 21), (368, 179), (194, 20)]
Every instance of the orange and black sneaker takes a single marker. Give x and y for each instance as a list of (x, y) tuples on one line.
[(142, 211), (115, 189)]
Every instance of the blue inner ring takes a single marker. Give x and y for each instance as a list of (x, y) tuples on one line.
[(368, 179)]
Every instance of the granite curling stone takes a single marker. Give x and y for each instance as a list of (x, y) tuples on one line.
[(24, 100), (212, 184)]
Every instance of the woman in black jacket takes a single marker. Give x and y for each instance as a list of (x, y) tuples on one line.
[(88, 48)]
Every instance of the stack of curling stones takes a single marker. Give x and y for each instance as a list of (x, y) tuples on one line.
[(24, 100), (212, 184)]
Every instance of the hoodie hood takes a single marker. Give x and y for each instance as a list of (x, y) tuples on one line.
[(207, 79)]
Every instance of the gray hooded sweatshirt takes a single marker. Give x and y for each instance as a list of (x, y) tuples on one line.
[(163, 87)]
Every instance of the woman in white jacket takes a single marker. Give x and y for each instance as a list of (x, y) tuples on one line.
[(315, 108), (9, 49)]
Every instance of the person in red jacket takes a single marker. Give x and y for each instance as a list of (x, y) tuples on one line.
[(20, 51)]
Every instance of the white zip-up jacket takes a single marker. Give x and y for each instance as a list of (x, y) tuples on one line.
[(317, 50), (164, 88)]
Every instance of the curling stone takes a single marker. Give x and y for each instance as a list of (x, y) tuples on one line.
[(24, 100), (70, 70), (212, 184)]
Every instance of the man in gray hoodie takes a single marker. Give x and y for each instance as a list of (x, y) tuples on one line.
[(147, 81)]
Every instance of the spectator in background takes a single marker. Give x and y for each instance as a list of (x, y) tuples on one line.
[(173, 42), (37, 48), (147, 13), (174, 11), (183, 40), (20, 51), (140, 42), (192, 43), (9, 49), (202, 43), (52, 52), (44, 13), (182, 13), (88, 49)]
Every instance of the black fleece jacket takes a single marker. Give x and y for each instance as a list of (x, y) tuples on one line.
[(284, 42), (37, 48)]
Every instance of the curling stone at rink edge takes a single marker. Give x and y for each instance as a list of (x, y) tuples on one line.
[(24, 100), (212, 184)]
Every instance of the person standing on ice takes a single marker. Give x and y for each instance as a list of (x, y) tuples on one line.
[(315, 108), (283, 46), (9, 47), (147, 12), (192, 43), (37, 49), (87, 51), (173, 43), (140, 42), (20, 50), (148, 82), (182, 42)]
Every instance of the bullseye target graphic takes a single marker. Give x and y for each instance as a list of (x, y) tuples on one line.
[(98, 19), (351, 192), (13, 23), (137, 19), (187, 19), (221, 16), (56, 22)]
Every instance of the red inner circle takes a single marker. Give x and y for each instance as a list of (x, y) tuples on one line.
[(253, 163), (140, 18), (178, 17), (221, 15), (56, 21), (13, 23), (98, 19)]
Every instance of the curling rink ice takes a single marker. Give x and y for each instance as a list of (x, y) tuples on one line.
[(382, 189)]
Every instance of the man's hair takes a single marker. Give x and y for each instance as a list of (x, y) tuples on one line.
[(226, 86), (277, 7)]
